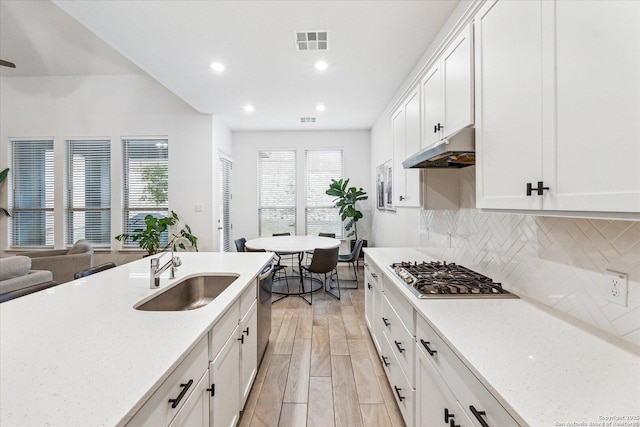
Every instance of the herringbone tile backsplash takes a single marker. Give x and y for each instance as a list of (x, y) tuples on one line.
[(560, 262)]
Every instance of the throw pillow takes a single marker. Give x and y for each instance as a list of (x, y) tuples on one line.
[(80, 247), (14, 266)]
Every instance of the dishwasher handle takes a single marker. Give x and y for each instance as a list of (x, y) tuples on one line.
[(266, 272)]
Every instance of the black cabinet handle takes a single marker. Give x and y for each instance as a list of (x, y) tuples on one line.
[(447, 415), (246, 331), (400, 397), (425, 344), (212, 390), (366, 265), (386, 321), (175, 402), (435, 129), (539, 189), (478, 415), (369, 285), (374, 275), (241, 339), (400, 349), (453, 424), (384, 360), (440, 127), (401, 198)]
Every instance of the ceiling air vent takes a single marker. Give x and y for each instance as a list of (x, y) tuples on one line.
[(307, 119), (311, 40)]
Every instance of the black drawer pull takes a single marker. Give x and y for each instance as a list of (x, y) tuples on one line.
[(369, 285), (241, 339), (374, 275), (398, 343), (398, 393), (447, 415), (366, 265), (386, 321), (453, 424), (175, 402), (212, 390), (246, 331), (425, 344), (539, 189), (384, 360), (478, 415)]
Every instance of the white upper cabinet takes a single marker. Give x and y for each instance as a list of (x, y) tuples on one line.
[(432, 108), (447, 91), (457, 67), (558, 107), (406, 141), (597, 108), (508, 103)]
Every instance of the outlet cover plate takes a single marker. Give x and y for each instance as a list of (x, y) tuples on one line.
[(617, 287)]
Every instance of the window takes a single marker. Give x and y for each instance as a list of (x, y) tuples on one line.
[(31, 193), (276, 192), (88, 192), (145, 182), (321, 166)]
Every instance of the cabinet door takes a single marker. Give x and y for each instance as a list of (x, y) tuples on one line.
[(432, 107), (508, 103), (368, 296), (398, 127), (597, 151), (224, 374), (410, 197), (457, 65), (433, 398), (195, 411), (248, 352)]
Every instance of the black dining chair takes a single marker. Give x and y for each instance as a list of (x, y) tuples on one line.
[(93, 270), (324, 261), (290, 255), (352, 259), (240, 244)]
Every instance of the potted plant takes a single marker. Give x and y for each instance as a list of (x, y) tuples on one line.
[(346, 198), (149, 237)]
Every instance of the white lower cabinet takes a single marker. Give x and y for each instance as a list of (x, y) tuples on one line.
[(195, 411), (175, 391), (248, 352), (224, 376), (402, 390), (476, 402), (373, 301)]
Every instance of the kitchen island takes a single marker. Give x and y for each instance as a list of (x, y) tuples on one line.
[(80, 354), (539, 370)]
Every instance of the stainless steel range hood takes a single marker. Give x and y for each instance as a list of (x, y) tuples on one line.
[(458, 151)]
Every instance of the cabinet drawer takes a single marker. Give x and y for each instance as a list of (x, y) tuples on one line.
[(400, 340), (372, 272), (223, 329), (158, 411), (401, 306), (247, 298), (463, 383), (401, 389)]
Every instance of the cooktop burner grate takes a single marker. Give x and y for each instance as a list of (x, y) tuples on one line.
[(441, 280)]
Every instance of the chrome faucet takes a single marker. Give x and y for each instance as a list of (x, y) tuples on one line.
[(174, 263)]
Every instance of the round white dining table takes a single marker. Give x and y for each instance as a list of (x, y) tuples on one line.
[(293, 244)]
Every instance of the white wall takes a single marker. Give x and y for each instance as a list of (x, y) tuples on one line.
[(114, 107), (244, 213)]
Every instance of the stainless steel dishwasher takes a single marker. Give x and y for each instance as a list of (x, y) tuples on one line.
[(265, 282)]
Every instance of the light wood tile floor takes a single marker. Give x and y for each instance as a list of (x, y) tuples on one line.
[(321, 367)]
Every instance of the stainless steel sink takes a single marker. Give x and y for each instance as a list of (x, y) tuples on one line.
[(191, 293)]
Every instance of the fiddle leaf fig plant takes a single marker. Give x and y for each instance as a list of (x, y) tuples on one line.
[(345, 199), (149, 238), (3, 176)]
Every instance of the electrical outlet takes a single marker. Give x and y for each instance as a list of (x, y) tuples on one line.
[(617, 286)]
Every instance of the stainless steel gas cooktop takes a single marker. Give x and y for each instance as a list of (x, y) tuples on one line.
[(441, 280)]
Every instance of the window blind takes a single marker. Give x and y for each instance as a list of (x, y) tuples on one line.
[(276, 192), (145, 182), (88, 191), (225, 205), (321, 166), (31, 193)]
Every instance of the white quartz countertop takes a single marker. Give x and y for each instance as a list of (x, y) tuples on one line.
[(79, 354), (545, 371)]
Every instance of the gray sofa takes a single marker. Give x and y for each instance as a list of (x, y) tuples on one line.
[(18, 279), (63, 263)]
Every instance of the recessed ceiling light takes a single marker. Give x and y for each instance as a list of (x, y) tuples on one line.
[(218, 67), (321, 65), (320, 107), (249, 108)]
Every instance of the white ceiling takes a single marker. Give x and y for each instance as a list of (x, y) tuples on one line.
[(373, 45)]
